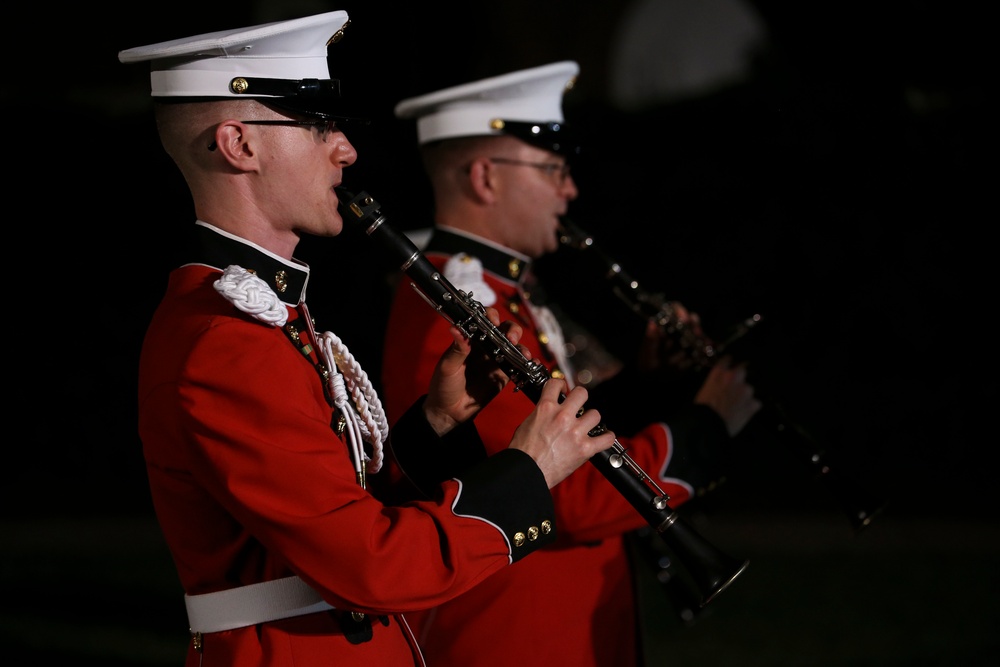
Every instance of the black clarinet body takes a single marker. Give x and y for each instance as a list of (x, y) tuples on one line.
[(711, 570)]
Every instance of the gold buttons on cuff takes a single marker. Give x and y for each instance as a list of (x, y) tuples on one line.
[(532, 533)]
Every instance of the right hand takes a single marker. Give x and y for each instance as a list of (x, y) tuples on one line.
[(555, 437), (726, 391)]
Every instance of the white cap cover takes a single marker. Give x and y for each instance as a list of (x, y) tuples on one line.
[(489, 106), (268, 60)]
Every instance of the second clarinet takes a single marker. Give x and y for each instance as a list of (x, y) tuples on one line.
[(711, 570), (698, 353)]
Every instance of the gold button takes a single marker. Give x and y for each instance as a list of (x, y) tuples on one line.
[(533, 533), (293, 333), (281, 281), (546, 527), (358, 616), (514, 268), (239, 85), (518, 539)]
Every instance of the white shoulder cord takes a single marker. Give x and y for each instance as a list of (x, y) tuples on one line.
[(372, 423), (251, 295), (365, 419)]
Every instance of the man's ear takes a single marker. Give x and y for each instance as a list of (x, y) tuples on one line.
[(482, 175), (232, 143)]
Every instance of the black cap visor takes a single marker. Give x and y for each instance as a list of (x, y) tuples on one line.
[(551, 136), (317, 98)]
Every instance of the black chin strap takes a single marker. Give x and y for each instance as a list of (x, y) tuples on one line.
[(307, 88)]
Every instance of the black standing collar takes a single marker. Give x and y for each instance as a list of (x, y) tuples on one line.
[(502, 262), (219, 249)]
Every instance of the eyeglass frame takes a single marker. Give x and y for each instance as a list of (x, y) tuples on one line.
[(325, 127), (550, 169)]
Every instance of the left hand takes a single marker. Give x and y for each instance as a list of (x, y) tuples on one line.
[(660, 350), (464, 383)]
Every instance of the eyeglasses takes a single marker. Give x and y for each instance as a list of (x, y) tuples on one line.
[(559, 171), (325, 127)]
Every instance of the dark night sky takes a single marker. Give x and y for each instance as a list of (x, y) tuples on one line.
[(836, 190)]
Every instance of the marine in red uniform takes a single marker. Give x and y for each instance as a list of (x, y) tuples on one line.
[(496, 152), (260, 434)]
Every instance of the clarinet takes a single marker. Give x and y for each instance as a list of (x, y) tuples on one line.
[(700, 352), (711, 570)]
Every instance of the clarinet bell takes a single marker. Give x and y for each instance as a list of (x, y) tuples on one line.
[(711, 571), (860, 503)]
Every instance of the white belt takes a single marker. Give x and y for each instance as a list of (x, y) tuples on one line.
[(252, 604)]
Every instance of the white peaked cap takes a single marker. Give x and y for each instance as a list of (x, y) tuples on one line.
[(268, 60), (485, 107)]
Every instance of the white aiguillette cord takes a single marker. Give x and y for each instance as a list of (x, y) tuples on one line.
[(367, 421), (345, 378), (283, 598)]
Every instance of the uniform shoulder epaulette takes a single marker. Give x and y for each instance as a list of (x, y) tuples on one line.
[(466, 273)]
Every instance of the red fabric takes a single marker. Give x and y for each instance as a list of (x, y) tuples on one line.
[(565, 605), (250, 484)]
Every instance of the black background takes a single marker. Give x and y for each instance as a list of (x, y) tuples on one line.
[(840, 191)]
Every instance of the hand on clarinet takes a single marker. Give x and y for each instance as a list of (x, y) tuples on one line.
[(557, 433), (660, 350), (465, 382)]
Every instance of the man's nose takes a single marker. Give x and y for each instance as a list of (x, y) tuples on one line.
[(344, 152), (569, 187)]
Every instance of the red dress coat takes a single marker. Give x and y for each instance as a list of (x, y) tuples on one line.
[(571, 603), (250, 483)]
